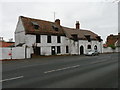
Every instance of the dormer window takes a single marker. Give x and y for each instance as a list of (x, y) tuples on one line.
[(75, 37), (35, 25), (99, 38), (88, 38), (55, 27)]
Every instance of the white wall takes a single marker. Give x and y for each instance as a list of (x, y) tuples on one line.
[(46, 47), (19, 33), (74, 47), (5, 53), (30, 40), (85, 44), (17, 53), (110, 50)]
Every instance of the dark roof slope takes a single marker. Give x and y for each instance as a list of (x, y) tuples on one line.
[(80, 33), (52, 28), (44, 27)]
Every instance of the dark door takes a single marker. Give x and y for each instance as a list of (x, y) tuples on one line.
[(53, 50), (37, 50), (81, 50), (38, 39)]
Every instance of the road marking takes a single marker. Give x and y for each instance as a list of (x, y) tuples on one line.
[(11, 79), (60, 69)]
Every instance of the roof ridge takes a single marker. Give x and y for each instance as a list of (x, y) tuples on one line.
[(36, 19)]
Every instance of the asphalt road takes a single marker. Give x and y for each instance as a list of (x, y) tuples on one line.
[(62, 72)]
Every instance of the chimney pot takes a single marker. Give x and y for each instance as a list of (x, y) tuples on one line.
[(77, 25), (57, 21)]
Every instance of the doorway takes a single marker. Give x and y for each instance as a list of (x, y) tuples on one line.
[(37, 51), (81, 50), (53, 50)]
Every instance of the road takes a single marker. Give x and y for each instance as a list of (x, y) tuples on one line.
[(62, 72)]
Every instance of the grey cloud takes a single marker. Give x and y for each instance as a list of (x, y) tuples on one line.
[(96, 16)]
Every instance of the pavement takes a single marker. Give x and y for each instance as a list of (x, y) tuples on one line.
[(62, 72)]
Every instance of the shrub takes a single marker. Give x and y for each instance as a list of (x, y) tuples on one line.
[(112, 46)]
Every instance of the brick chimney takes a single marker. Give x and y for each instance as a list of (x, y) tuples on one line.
[(57, 21), (77, 25)]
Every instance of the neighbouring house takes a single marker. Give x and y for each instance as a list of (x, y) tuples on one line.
[(112, 43), (113, 39), (50, 38), (6, 44)]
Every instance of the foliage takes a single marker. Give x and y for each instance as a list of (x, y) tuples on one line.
[(112, 46)]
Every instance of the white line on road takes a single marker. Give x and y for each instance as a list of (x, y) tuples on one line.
[(60, 69), (11, 78)]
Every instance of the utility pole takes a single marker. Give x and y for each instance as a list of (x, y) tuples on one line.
[(54, 16)]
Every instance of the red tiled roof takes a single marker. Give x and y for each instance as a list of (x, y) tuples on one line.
[(111, 39), (45, 27), (80, 32), (6, 44)]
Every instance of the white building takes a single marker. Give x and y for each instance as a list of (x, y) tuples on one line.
[(50, 38)]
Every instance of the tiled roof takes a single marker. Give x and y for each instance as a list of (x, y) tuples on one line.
[(6, 44), (80, 33), (44, 27), (47, 27)]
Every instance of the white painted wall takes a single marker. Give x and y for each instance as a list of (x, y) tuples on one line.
[(19, 33), (17, 53), (110, 50), (46, 50), (30, 39), (46, 47), (85, 44), (5, 53)]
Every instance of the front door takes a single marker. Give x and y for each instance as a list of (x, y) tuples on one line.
[(53, 50), (81, 50), (37, 51)]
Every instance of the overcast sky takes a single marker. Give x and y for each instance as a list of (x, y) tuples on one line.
[(99, 16)]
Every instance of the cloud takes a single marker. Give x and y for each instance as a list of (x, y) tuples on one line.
[(100, 17)]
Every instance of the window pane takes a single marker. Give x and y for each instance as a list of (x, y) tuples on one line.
[(38, 39), (58, 49), (89, 46), (58, 39), (67, 49), (48, 39)]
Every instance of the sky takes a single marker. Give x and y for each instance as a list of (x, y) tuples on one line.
[(98, 16)]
